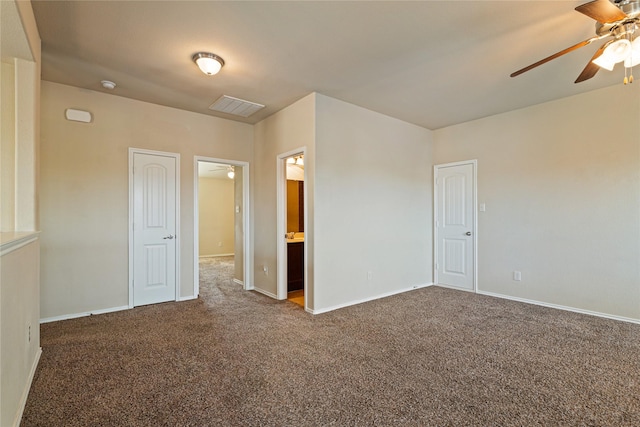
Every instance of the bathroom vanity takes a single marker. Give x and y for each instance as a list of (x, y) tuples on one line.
[(295, 264)]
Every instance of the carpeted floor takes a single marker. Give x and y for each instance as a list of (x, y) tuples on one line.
[(430, 357)]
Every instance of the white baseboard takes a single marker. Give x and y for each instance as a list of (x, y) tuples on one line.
[(27, 387), (356, 302), (189, 298), (455, 288), (84, 314), (239, 282), (561, 307), (267, 293), (215, 256)]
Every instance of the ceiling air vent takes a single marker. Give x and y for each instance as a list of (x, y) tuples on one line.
[(235, 106)]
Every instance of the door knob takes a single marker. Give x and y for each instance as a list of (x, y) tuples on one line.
[(468, 233), (170, 236)]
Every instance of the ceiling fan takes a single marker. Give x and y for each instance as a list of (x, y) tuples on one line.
[(614, 18)]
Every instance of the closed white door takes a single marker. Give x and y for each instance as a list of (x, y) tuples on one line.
[(154, 228), (455, 225)]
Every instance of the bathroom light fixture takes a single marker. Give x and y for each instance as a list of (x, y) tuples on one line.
[(296, 160), (209, 63), (231, 174)]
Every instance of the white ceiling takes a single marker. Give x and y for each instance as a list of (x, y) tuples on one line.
[(432, 63), (213, 170)]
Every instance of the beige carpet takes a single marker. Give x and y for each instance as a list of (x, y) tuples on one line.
[(430, 357)]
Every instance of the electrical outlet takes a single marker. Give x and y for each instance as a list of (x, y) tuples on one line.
[(517, 276), (29, 333), (369, 275), (219, 244), (265, 270)]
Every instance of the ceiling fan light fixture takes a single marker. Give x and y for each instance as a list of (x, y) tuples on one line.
[(603, 61), (616, 51), (634, 54), (619, 50), (209, 63), (231, 173)]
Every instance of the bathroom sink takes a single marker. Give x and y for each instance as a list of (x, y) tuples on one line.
[(297, 237)]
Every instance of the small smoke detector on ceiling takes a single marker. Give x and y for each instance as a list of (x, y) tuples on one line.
[(235, 106)]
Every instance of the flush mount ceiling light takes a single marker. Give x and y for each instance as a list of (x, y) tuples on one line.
[(209, 63)]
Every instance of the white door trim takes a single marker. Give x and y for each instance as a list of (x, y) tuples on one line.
[(248, 249), (474, 232), (281, 223), (176, 156)]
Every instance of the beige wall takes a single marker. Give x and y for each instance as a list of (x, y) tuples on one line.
[(216, 216), (19, 252), (19, 328), (289, 129), (84, 193), (239, 230), (368, 193), (373, 205), (561, 184), (8, 149)]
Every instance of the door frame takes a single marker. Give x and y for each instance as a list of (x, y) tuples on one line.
[(247, 257), (474, 222), (176, 156), (281, 223)]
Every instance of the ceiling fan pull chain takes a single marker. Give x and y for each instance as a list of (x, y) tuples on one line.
[(630, 58), (626, 80)]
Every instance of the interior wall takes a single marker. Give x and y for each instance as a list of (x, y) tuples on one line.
[(19, 328), (373, 205), (19, 246), (238, 197), (561, 185), (84, 193), (216, 216), (7, 149), (286, 130)]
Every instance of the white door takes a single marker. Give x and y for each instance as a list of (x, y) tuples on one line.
[(154, 228), (455, 225)]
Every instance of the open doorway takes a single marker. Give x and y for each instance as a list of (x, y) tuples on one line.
[(292, 214), (220, 221)]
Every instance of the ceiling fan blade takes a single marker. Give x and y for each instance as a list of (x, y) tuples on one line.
[(554, 56), (591, 69), (602, 11)]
